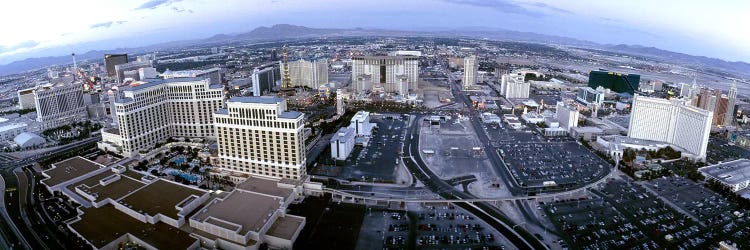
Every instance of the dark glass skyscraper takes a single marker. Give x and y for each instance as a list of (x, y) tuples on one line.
[(617, 82), (110, 60)]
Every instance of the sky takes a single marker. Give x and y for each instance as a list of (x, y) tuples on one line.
[(34, 28)]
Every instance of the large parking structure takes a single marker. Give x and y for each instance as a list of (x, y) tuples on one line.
[(567, 164)]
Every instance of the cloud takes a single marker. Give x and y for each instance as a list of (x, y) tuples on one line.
[(22, 45), (153, 4), (106, 24), (506, 6), (551, 8), (180, 10)]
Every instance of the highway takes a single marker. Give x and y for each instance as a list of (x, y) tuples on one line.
[(485, 142), (28, 227), (11, 236), (483, 210), (481, 207)]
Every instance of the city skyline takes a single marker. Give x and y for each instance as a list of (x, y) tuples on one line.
[(680, 27), (423, 124)]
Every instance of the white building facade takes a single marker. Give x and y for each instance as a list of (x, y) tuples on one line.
[(671, 121), (371, 73), (361, 124), (26, 99), (309, 74), (732, 99), (342, 143), (513, 86), (59, 104), (258, 136), (567, 116), (470, 71)]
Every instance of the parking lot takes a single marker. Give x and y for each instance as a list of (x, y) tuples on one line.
[(455, 154), (720, 151), (376, 162), (593, 223), (624, 216), (656, 219), (502, 133), (568, 164), (721, 219), (429, 226)]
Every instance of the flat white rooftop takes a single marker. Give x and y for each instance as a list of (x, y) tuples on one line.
[(732, 172)]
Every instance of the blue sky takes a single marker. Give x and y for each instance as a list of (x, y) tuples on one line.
[(35, 28)]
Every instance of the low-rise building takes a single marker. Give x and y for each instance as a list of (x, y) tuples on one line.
[(118, 206), (28, 140), (734, 174), (255, 212), (590, 97), (491, 118), (512, 121), (587, 133), (8, 131), (532, 117), (740, 138)]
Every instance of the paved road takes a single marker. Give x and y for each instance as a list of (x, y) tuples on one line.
[(485, 144), (483, 210), (8, 232), (25, 221)]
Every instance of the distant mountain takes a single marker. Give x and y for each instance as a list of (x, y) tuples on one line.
[(503, 34), (42, 62), (287, 31), (676, 57)]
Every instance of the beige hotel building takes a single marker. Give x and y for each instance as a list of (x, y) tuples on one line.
[(150, 112), (258, 136)]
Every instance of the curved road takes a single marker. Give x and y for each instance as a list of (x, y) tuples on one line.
[(485, 211)]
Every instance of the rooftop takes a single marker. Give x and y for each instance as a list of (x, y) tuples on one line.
[(360, 115), (587, 129), (160, 197), (115, 190), (244, 210), (69, 169), (256, 99), (285, 227), (188, 73), (156, 81), (343, 134), (386, 57), (100, 226), (264, 186), (115, 131), (222, 112), (732, 172), (290, 114), (12, 126)]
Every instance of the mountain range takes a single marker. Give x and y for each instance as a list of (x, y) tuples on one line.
[(286, 31)]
